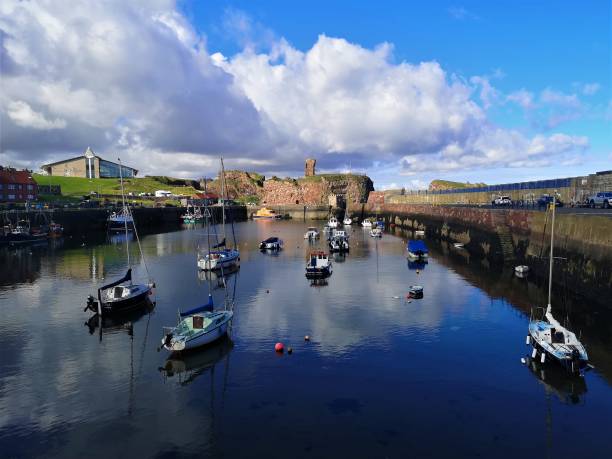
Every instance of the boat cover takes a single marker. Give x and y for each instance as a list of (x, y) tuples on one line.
[(202, 308), (270, 240), (416, 246)]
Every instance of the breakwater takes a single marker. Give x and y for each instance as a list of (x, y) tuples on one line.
[(299, 212), (509, 236), (81, 221)]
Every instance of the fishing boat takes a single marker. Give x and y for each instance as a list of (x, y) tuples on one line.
[(266, 214), (272, 243), (366, 223), (348, 221), (417, 249), (223, 257), (376, 232), (415, 291), (121, 221), (123, 294), (318, 265), (312, 233), (332, 222), (22, 233), (548, 336)]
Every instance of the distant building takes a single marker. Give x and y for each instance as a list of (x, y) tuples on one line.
[(17, 185), (309, 167), (89, 165)]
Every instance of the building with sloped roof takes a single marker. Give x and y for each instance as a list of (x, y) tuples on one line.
[(88, 165), (17, 185)]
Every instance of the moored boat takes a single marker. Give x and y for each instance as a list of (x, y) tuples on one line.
[(55, 230), (366, 223), (415, 291), (339, 242), (196, 329), (348, 221), (332, 222), (272, 243), (376, 232), (318, 265), (312, 233), (266, 214), (417, 249), (548, 336), (120, 221)]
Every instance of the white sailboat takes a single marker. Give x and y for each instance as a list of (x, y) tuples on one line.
[(551, 339), (333, 222), (225, 257)]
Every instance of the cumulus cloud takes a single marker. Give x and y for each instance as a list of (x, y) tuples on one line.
[(136, 80), (119, 76), (522, 97), (590, 88)]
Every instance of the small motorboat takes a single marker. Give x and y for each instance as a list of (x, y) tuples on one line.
[(366, 223), (376, 232), (266, 214), (415, 291), (521, 269), (312, 233), (339, 242), (458, 245), (318, 265), (348, 221), (419, 232), (332, 222), (417, 249), (272, 243)]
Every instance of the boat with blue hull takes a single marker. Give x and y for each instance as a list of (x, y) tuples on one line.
[(417, 249)]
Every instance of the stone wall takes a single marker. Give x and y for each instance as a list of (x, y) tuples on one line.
[(309, 167)]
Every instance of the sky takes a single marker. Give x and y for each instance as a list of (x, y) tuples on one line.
[(406, 92)]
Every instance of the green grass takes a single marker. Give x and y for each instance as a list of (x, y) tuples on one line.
[(78, 186), (447, 184)]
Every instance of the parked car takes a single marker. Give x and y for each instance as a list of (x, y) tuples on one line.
[(502, 201), (546, 199), (602, 199)]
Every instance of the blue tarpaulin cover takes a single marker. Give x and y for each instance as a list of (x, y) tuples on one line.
[(416, 246)]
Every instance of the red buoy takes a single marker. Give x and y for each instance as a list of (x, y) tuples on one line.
[(279, 347)]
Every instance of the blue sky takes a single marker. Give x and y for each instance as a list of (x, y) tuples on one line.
[(404, 91), (531, 45)]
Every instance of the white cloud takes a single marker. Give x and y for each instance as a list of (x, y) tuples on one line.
[(460, 13), (590, 88), (523, 98), (136, 79), (23, 115)]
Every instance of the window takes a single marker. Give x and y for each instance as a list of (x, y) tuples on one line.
[(11, 197), (30, 187), (108, 169), (20, 186), (1, 186), (30, 196), (11, 186)]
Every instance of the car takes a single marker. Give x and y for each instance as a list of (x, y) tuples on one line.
[(602, 199), (546, 199), (502, 201)]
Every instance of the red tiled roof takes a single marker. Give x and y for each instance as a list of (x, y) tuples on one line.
[(15, 176)]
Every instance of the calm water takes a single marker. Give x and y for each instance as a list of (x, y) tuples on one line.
[(381, 376)]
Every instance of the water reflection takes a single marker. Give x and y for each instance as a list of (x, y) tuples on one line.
[(569, 389), (117, 323), (188, 366)]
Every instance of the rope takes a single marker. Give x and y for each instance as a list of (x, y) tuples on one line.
[(144, 261)]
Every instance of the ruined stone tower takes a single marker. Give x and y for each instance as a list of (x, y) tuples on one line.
[(309, 169)]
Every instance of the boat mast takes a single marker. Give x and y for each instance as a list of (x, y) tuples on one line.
[(125, 213), (223, 190), (552, 236)]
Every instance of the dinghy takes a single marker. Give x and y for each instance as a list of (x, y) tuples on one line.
[(415, 291), (366, 223), (312, 233), (376, 232)]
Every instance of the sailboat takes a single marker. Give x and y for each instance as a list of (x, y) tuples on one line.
[(224, 257), (201, 325), (548, 337), (123, 294)]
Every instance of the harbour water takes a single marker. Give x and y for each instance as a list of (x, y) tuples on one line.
[(381, 376)]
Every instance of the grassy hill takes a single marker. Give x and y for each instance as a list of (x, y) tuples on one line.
[(449, 185), (78, 186)]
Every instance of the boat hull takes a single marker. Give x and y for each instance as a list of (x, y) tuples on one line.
[(318, 273), (121, 306), (573, 363), (216, 264)]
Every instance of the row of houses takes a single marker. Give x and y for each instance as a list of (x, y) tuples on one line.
[(17, 185)]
